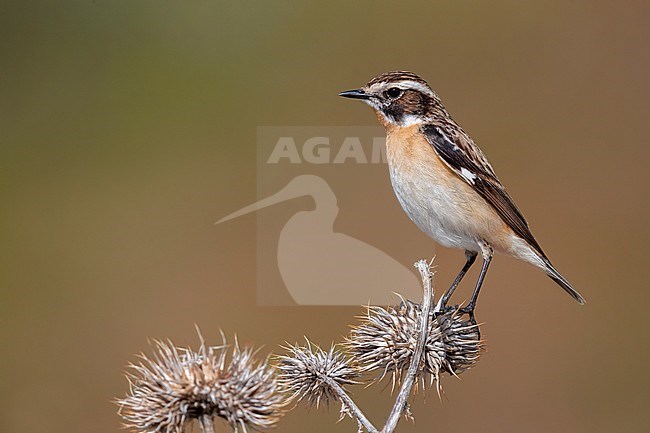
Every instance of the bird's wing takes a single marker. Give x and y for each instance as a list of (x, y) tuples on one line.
[(463, 157)]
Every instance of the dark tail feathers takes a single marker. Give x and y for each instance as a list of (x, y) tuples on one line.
[(562, 282)]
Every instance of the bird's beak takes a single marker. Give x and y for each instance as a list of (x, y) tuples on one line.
[(355, 94)]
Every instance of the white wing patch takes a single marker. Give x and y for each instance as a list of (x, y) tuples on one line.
[(468, 175), (444, 136)]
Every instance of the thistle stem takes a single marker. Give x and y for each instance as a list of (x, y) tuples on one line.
[(207, 423), (414, 367), (350, 405)]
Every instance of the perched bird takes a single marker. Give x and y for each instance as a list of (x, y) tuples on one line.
[(445, 183)]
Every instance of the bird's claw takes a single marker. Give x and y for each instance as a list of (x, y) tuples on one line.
[(469, 310)]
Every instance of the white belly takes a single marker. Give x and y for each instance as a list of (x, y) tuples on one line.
[(433, 207)]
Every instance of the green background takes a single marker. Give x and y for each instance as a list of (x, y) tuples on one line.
[(128, 127)]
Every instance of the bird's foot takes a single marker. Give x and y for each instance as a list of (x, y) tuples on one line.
[(444, 309), (469, 310)]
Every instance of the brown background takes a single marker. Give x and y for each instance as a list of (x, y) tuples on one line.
[(128, 128)]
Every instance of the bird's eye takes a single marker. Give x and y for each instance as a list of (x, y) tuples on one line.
[(393, 92)]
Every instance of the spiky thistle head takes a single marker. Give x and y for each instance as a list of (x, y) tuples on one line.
[(385, 339), (176, 385), (307, 371)]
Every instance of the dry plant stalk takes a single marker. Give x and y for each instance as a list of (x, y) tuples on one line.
[(412, 344)]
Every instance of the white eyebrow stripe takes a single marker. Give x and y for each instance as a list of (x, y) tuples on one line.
[(409, 84)]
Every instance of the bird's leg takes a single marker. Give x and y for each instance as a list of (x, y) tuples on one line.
[(471, 258), (487, 258)]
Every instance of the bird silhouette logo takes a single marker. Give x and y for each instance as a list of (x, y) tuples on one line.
[(322, 267)]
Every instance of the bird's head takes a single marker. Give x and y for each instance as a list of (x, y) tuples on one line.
[(399, 98)]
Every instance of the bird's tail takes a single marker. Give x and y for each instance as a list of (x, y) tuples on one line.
[(562, 282)]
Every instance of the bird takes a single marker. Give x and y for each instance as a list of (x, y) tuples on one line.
[(309, 249), (445, 183)]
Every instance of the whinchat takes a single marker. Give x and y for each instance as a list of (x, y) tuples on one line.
[(445, 183)]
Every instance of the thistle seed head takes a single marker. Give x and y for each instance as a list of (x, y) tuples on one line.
[(385, 339), (176, 385), (305, 371)]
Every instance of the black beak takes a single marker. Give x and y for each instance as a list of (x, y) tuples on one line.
[(355, 94)]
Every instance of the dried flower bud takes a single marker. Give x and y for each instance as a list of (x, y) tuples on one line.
[(305, 371), (177, 385), (386, 337)]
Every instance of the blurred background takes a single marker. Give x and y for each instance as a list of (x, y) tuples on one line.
[(128, 128)]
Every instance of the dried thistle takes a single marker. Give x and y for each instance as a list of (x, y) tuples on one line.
[(177, 385), (386, 337), (307, 373)]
